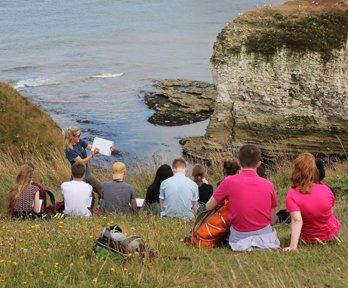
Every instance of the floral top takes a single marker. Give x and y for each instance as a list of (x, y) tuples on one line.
[(26, 199)]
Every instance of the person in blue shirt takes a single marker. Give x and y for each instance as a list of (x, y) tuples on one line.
[(75, 152), (179, 194)]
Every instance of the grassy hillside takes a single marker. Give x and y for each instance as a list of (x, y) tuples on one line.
[(24, 127), (58, 253)]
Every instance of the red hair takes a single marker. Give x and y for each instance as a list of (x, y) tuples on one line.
[(304, 173)]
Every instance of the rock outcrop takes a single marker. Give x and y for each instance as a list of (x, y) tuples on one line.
[(180, 102), (282, 79)]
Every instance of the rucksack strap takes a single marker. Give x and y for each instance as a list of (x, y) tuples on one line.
[(51, 196)]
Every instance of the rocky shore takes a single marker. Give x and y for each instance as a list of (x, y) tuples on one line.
[(180, 102)]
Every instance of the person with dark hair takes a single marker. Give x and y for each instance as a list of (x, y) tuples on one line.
[(153, 191), (310, 205), (76, 193), (23, 198), (321, 169), (252, 204), (179, 194), (230, 168), (205, 190)]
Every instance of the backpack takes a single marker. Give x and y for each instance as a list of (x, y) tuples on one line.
[(113, 244), (210, 228), (55, 207)]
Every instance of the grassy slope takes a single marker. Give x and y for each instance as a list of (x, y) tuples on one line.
[(59, 253), (24, 127)]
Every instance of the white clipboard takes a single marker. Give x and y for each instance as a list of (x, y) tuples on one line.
[(103, 144)]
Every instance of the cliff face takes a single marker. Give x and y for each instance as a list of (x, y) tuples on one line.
[(281, 74)]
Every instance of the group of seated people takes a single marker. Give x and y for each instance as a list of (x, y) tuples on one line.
[(252, 199)]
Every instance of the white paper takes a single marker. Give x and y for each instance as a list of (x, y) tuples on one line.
[(103, 144), (140, 202)]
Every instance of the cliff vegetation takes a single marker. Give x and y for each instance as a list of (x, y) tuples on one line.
[(24, 127)]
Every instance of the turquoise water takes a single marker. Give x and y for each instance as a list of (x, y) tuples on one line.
[(86, 62)]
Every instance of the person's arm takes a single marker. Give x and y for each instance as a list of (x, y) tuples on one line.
[(37, 202), (84, 161), (161, 204), (211, 204), (134, 205), (296, 226), (195, 207), (274, 218)]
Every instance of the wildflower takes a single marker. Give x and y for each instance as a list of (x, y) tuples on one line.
[(14, 263), (41, 273), (94, 280), (60, 222), (2, 261), (112, 269), (82, 257), (125, 269)]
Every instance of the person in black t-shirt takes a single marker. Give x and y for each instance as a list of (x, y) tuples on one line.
[(205, 190), (152, 194)]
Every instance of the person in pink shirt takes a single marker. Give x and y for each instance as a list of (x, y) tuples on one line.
[(252, 204), (310, 205)]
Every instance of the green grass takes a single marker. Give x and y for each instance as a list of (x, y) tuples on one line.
[(320, 33), (24, 127), (58, 253)]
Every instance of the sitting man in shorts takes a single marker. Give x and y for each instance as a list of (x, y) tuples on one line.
[(77, 194), (252, 204), (117, 195)]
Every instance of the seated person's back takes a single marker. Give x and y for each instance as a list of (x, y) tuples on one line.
[(118, 196), (77, 194), (179, 194), (252, 204), (23, 198)]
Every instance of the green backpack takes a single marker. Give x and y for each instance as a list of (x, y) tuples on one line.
[(115, 245)]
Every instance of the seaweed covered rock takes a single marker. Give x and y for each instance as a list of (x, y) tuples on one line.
[(282, 82), (180, 102)]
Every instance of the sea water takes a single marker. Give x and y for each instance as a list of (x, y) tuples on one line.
[(87, 62)]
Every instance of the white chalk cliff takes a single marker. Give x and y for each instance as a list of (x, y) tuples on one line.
[(282, 78)]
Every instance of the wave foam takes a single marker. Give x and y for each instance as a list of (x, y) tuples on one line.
[(37, 82), (108, 75)]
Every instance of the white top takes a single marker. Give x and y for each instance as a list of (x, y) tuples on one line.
[(77, 198)]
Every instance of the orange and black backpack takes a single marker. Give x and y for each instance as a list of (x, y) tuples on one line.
[(210, 228)]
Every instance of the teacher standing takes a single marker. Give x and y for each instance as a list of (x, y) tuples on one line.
[(75, 151)]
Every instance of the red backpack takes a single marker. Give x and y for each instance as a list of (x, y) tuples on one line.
[(210, 228)]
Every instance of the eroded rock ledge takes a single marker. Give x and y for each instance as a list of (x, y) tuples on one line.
[(180, 102), (282, 82)]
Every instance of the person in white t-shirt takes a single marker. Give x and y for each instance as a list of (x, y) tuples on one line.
[(77, 193)]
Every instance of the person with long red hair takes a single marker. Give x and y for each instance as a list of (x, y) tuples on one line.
[(310, 205)]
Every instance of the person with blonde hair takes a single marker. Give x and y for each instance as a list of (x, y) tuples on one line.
[(76, 152), (310, 205), (23, 199), (205, 190)]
